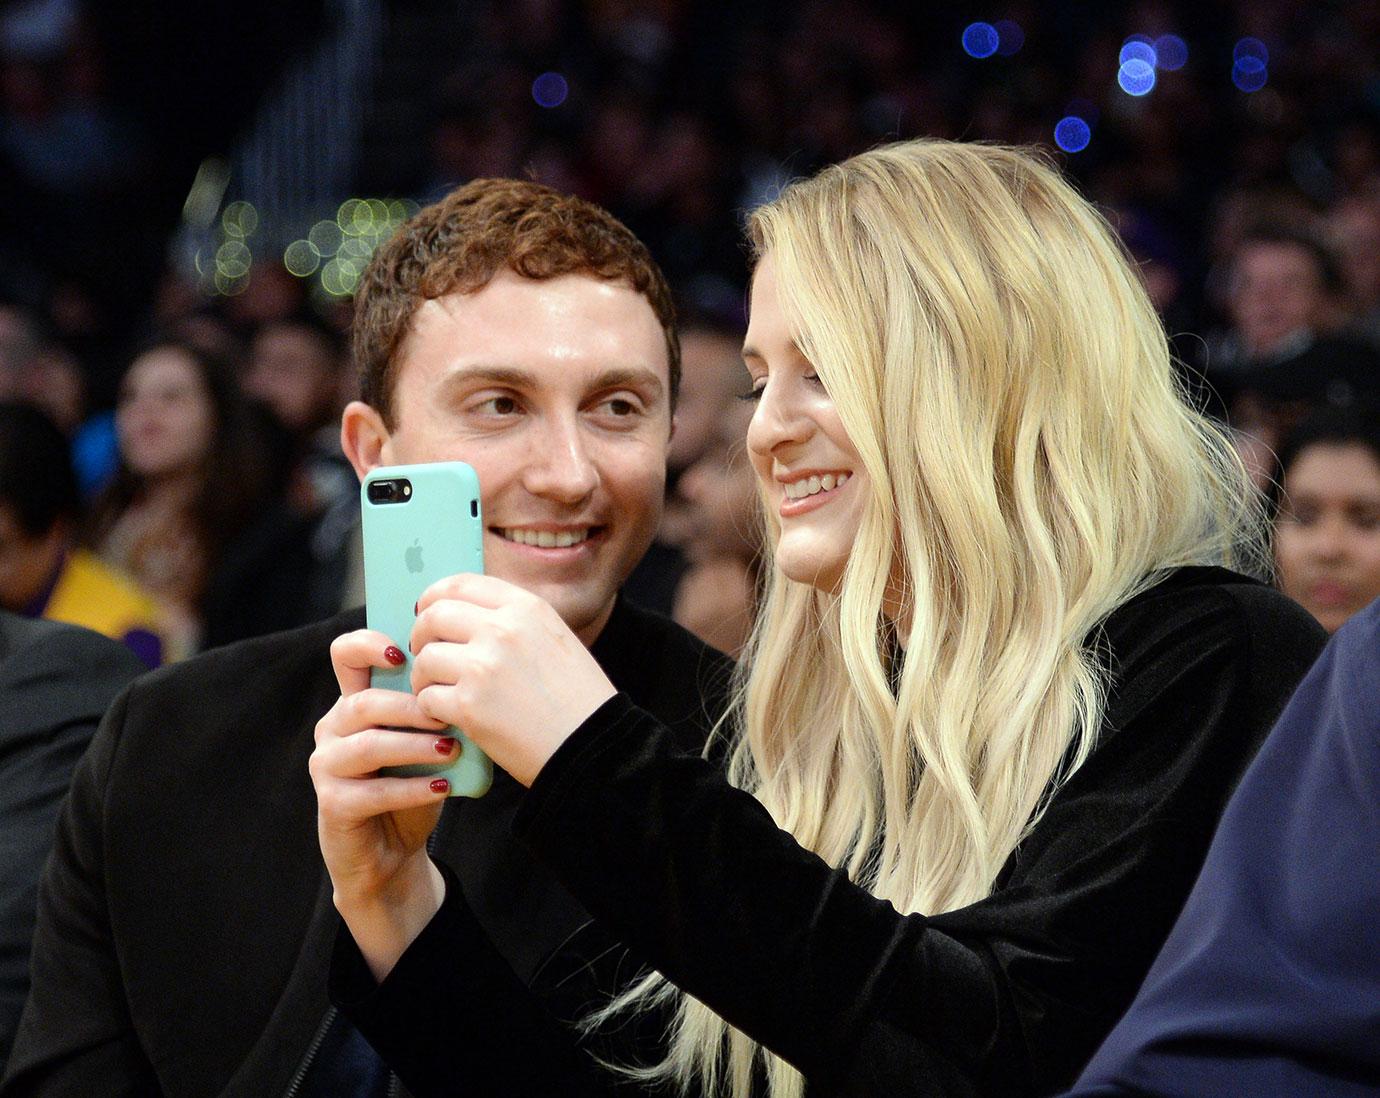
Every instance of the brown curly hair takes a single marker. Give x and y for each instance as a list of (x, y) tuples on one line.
[(458, 244)]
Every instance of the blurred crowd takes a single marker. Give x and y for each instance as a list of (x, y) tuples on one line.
[(184, 456)]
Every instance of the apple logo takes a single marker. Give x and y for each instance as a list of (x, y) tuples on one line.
[(413, 556)]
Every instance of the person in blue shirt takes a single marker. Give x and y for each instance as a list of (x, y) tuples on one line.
[(1270, 981)]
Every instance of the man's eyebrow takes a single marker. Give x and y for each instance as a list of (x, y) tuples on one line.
[(517, 378)]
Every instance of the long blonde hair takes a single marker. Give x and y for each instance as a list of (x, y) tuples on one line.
[(1032, 464)]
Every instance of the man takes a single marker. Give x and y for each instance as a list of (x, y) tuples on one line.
[(56, 681), (186, 920)]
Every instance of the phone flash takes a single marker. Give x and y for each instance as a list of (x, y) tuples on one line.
[(407, 490)]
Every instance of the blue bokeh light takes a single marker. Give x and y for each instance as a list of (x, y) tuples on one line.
[(1136, 49), (550, 89), (980, 40), (1172, 52), (1010, 37), (1136, 77), (1251, 47), (1072, 134), (1249, 74)]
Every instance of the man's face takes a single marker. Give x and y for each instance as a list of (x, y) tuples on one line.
[(1278, 291), (557, 393)]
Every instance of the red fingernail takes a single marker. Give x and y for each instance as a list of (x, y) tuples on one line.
[(393, 654), (445, 745), (440, 785)]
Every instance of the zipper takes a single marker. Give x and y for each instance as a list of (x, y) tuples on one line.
[(394, 1083), (312, 1050)]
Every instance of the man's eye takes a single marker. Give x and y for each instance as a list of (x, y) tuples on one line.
[(620, 407), (499, 406)]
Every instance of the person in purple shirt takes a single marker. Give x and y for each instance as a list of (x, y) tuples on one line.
[(1270, 981)]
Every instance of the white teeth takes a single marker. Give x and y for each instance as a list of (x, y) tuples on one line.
[(545, 539), (809, 486)]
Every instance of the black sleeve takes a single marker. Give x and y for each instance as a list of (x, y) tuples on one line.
[(1008, 996), (452, 1018), (75, 1037)]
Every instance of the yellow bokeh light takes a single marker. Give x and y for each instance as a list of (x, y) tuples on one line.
[(345, 216), (325, 237), (301, 258), (233, 259)]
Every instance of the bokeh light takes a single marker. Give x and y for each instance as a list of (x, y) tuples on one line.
[(1072, 134), (550, 89), (301, 258), (980, 40), (1010, 37), (240, 219), (1249, 74), (1251, 47), (1138, 48), (1136, 77), (325, 237), (233, 259), (1171, 52)]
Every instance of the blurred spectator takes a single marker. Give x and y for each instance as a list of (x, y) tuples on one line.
[(1327, 532), (1355, 229), (297, 369), (43, 573), (1286, 288), (192, 513), (712, 375), (716, 598), (56, 682)]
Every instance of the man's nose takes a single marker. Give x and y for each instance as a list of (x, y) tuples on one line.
[(560, 466)]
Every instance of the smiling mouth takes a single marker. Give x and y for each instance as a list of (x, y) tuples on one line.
[(546, 539), (812, 486)]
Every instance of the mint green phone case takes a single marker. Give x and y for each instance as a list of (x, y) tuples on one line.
[(433, 531)]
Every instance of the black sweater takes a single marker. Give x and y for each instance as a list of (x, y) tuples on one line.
[(1008, 996)]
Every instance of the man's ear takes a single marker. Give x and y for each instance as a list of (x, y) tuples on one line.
[(365, 438)]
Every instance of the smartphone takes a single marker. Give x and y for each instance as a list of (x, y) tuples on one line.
[(421, 523)]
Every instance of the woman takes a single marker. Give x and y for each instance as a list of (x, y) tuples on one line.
[(995, 699), (191, 514), (1327, 531)]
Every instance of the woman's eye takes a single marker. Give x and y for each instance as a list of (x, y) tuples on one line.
[(755, 393)]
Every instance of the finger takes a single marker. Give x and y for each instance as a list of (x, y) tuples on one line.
[(354, 654), (473, 587), (373, 708), (369, 751), (349, 803), (448, 620), (442, 663)]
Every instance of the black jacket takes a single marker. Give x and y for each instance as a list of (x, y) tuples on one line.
[(1006, 997), (185, 921), (56, 681)]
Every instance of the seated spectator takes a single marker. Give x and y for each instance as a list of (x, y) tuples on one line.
[(1327, 531), (1270, 981), (56, 682), (191, 513), (296, 369), (43, 572), (721, 537), (711, 379)]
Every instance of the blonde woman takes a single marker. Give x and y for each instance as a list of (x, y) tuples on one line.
[(1001, 684)]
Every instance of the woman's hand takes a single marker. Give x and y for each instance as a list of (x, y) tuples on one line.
[(373, 830), (498, 662)]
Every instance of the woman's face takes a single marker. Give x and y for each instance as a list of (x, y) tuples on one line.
[(1327, 539), (810, 474), (164, 416)]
